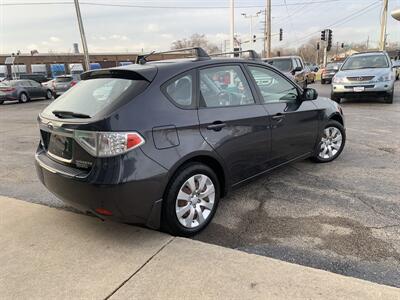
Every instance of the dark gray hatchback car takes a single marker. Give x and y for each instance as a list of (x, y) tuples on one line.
[(23, 91), (159, 143)]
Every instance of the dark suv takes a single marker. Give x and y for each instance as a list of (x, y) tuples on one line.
[(159, 143)]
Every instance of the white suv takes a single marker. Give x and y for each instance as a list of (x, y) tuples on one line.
[(365, 74)]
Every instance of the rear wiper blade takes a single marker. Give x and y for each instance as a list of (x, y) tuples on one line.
[(63, 114)]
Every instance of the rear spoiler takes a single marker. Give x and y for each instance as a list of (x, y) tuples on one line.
[(147, 74)]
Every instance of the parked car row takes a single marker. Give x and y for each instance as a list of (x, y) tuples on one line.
[(24, 90), (20, 71)]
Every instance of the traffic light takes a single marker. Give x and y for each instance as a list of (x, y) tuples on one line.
[(235, 50), (342, 45), (254, 38), (323, 36), (317, 46), (280, 34), (329, 46)]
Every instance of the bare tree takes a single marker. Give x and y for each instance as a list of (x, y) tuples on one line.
[(195, 40)]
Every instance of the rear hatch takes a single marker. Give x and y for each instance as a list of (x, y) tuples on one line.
[(71, 125), (6, 88), (63, 83)]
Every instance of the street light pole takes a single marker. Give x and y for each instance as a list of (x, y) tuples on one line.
[(251, 17), (83, 37)]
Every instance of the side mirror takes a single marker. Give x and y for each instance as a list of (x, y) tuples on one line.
[(297, 69), (310, 94)]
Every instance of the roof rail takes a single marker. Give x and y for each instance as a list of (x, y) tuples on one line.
[(200, 54), (252, 54)]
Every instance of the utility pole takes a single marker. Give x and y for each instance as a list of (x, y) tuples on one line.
[(232, 24), (382, 44), (267, 29), (83, 37), (368, 43), (251, 17)]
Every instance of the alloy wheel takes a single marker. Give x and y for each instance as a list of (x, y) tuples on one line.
[(24, 98), (330, 143), (195, 201)]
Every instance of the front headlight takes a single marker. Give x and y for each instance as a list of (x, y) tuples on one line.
[(337, 79), (386, 77)]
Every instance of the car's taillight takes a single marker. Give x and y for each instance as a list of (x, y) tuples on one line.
[(73, 83), (7, 90), (106, 144)]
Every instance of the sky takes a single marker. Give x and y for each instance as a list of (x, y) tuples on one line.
[(136, 25)]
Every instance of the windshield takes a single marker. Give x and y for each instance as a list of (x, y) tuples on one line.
[(364, 62), (331, 66), (89, 97), (284, 65)]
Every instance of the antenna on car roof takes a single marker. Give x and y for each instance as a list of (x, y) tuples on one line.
[(252, 54), (200, 54)]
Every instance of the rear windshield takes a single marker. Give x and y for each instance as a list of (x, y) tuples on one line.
[(63, 79), (284, 65), (366, 62), (89, 97)]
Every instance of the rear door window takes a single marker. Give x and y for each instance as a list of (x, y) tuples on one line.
[(90, 96), (224, 86)]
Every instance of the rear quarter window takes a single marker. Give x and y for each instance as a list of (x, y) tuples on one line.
[(180, 91)]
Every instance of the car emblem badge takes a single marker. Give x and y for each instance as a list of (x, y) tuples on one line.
[(360, 79)]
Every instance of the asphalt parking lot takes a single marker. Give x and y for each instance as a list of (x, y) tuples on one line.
[(343, 216)]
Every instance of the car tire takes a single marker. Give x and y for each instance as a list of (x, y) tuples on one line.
[(389, 97), (182, 204), (322, 81), (1, 102), (23, 97), (332, 142), (49, 94)]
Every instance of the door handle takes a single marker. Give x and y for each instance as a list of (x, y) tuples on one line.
[(216, 126), (278, 117)]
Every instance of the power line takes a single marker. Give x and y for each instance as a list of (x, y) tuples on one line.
[(161, 6), (340, 21)]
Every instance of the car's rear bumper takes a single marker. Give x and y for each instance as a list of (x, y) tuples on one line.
[(8, 98), (363, 88), (134, 199), (327, 76)]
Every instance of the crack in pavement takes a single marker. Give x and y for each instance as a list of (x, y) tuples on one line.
[(139, 269)]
